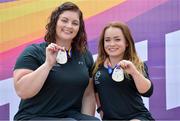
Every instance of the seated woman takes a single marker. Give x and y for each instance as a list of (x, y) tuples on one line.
[(120, 77), (48, 77)]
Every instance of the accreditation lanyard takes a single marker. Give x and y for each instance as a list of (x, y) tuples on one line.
[(110, 68), (69, 53)]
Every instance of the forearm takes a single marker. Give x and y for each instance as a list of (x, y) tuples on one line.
[(99, 109), (97, 100), (142, 84), (30, 84), (89, 102), (89, 106)]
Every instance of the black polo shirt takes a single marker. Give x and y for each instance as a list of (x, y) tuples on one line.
[(64, 87), (120, 100)]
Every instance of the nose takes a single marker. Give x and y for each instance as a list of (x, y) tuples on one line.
[(112, 43), (69, 25)]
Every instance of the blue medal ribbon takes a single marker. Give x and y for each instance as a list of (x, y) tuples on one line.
[(110, 69)]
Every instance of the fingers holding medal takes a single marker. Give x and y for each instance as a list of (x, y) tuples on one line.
[(118, 72), (57, 52), (127, 66)]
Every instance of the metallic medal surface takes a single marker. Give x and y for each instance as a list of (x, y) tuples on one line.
[(61, 57), (118, 74)]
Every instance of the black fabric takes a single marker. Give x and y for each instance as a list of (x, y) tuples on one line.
[(150, 91), (63, 89), (51, 119), (120, 100), (89, 62), (79, 116), (68, 116)]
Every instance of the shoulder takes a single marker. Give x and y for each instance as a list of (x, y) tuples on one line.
[(33, 51), (87, 53), (88, 56), (38, 46), (32, 57), (35, 48), (88, 60)]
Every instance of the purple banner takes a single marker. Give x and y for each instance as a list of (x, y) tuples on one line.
[(4, 112)]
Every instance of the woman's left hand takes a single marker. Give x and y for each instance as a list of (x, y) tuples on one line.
[(128, 66)]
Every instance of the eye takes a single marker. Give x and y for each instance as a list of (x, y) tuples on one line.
[(117, 40), (106, 40), (75, 23), (64, 20)]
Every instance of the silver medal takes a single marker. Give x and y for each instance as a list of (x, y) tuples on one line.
[(118, 74), (61, 57)]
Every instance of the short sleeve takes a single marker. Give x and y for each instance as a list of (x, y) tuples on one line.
[(146, 75), (150, 91), (89, 62), (95, 82), (95, 88), (28, 59)]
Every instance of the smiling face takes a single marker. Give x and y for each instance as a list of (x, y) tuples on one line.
[(67, 25), (114, 42)]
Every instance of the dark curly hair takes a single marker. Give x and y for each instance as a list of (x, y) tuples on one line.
[(80, 41)]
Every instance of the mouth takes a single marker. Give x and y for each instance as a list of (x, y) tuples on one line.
[(67, 31), (112, 49)]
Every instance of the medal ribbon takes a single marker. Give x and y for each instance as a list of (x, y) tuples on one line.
[(69, 53), (110, 69)]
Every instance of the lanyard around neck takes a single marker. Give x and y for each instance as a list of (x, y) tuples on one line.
[(69, 53), (110, 68)]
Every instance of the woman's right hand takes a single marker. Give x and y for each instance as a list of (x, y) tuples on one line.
[(51, 54)]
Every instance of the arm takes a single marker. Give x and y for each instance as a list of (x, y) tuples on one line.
[(28, 82), (88, 102), (142, 84), (99, 110)]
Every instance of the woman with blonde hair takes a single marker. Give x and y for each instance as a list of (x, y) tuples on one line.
[(120, 77)]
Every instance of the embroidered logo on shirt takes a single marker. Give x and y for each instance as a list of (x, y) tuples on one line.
[(80, 63), (96, 78)]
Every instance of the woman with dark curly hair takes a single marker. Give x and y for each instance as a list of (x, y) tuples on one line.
[(53, 78)]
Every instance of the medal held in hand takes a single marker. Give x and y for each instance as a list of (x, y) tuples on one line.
[(118, 74), (61, 57)]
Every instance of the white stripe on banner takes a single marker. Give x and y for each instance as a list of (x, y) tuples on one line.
[(172, 70), (8, 95)]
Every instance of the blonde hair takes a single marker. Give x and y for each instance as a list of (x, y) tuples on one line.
[(130, 52)]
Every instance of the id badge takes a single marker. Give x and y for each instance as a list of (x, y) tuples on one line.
[(118, 74), (61, 57)]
